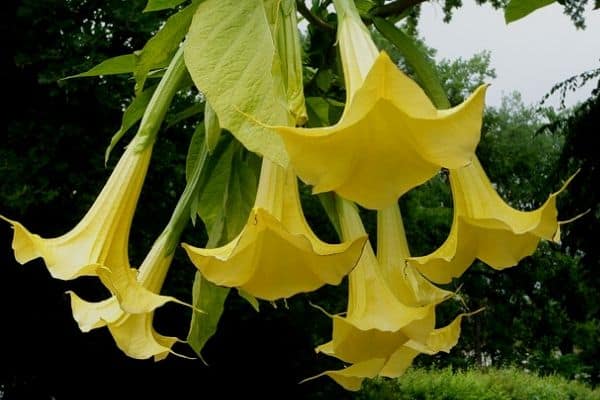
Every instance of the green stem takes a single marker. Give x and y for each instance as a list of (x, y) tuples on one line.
[(181, 214), (394, 8), (312, 18), (290, 54), (161, 100)]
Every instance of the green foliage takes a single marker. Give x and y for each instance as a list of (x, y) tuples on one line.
[(517, 9), (230, 87), (411, 52), (209, 298), (508, 384), (460, 77)]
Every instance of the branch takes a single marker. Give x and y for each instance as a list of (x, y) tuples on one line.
[(394, 8), (312, 18)]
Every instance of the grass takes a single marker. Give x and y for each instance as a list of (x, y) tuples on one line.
[(492, 384)]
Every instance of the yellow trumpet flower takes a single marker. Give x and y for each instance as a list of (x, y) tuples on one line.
[(383, 290), (129, 312), (390, 137), (486, 228), (276, 255), (101, 237), (133, 333)]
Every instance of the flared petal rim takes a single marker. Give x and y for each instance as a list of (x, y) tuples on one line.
[(385, 143), (269, 262)]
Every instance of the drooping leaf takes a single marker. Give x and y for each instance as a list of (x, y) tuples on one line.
[(116, 65), (227, 195), (422, 65), (212, 300), (250, 299), (213, 128), (194, 149), (159, 50), (231, 57), (317, 109), (517, 9), (229, 191), (157, 5), (323, 111), (133, 113)]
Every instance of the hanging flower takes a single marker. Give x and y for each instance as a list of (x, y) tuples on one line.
[(133, 333), (129, 312), (390, 137), (276, 255), (391, 308), (486, 228), (101, 237)]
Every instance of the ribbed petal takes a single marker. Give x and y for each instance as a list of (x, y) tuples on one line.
[(351, 378), (486, 228), (133, 333), (269, 262), (389, 140), (101, 236)]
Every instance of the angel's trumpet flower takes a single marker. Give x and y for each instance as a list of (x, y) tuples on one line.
[(101, 237), (129, 312), (390, 137), (277, 255), (486, 228), (384, 290)]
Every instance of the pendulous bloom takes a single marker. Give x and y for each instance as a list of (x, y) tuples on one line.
[(390, 137), (128, 314), (486, 228), (101, 237), (276, 255), (391, 308)]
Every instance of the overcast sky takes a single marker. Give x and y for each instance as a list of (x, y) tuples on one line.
[(529, 55)]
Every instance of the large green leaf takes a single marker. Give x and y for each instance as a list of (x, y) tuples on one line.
[(209, 298), (159, 50), (517, 9), (229, 190), (231, 57), (423, 66), (227, 195), (117, 65), (157, 5)]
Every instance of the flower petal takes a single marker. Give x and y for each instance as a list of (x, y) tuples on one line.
[(385, 144), (351, 378), (269, 262), (101, 236), (486, 228), (133, 333)]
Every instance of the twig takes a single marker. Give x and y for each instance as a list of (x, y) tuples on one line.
[(312, 18), (394, 8)]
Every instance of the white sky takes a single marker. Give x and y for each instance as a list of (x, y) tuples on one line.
[(529, 55)]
